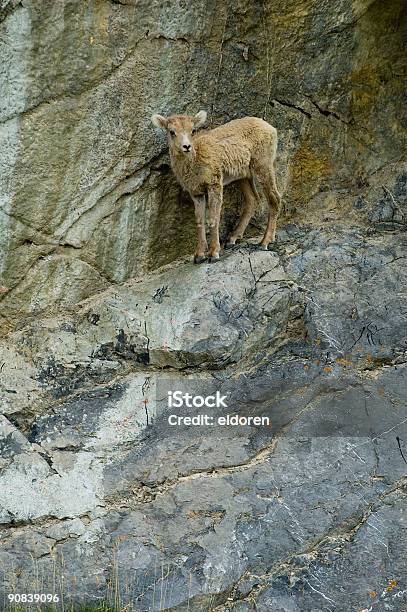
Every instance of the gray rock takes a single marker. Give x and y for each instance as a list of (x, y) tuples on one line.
[(225, 516), (102, 498)]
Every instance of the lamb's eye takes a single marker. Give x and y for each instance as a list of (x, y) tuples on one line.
[(172, 132)]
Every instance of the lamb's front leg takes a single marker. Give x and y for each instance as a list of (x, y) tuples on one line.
[(202, 246), (215, 196)]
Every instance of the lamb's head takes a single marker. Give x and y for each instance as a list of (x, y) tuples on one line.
[(179, 129)]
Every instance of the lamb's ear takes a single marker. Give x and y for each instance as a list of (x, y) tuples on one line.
[(160, 121), (200, 119)]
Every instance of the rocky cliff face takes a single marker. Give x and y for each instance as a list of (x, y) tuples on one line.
[(103, 312), (87, 198), (100, 493)]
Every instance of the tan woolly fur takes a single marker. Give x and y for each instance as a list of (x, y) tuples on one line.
[(203, 162)]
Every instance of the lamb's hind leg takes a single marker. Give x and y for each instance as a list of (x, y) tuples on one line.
[(267, 179), (251, 198)]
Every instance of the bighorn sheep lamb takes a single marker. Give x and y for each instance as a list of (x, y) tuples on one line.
[(203, 163)]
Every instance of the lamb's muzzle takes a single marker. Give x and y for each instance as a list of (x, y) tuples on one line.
[(203, 163)]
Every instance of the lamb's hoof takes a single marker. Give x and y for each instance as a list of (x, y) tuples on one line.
[(230, 245), (213, 258), (199, 259), (263, 247)]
